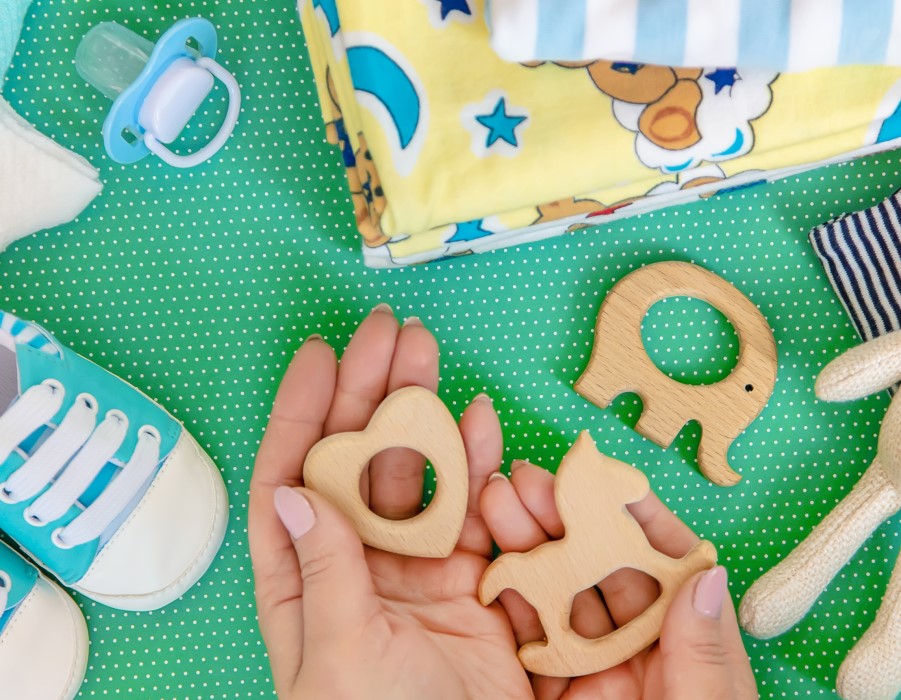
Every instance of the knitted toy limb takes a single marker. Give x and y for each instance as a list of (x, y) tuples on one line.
[(863, 370), (780, 598), (871, 670), (870, 367)]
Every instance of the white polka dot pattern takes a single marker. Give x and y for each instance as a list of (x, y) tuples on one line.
[(197, 286)]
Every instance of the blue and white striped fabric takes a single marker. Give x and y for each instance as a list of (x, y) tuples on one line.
[(22, 333), (783, 35), (861, 253)]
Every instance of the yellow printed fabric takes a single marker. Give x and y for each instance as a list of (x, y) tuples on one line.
[(450, 150)]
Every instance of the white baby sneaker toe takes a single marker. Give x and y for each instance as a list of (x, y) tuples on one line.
[(99, 484), (168, 540), (43, 636)]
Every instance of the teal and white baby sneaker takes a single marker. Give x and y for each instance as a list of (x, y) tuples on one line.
[(99, 484), (43, 636)]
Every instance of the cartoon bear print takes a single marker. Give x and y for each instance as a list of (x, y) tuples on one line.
[(574, 206), (684, 118), (365, 185), (368, 196)]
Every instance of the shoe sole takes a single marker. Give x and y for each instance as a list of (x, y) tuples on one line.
[(80, 662)]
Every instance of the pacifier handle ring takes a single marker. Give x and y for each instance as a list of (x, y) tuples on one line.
[(225, 131)]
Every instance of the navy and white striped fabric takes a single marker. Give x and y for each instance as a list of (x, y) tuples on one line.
[(862, 256), (783, 35)]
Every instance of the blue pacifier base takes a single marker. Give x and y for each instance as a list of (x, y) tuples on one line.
[(123, 116)]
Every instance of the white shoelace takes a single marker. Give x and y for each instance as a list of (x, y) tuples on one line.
[(71, 458)]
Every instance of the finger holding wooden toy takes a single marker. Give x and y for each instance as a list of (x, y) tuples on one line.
[(383, 356), (324, 598), (412, 418), (520, 523), (295, 425), (591, 494), (484, 442), (521, 516), (626, 593), (396, 475), (363, 373), (701, 654)]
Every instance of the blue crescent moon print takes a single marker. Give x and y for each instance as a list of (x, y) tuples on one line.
[(891, 127), (376, 73), (330, 9), (736, 146)]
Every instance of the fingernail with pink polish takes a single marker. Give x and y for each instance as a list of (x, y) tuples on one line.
[(711, 592), (294, 511)]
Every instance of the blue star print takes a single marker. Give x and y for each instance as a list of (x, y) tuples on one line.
[(722, 78), (469, 231), (500, 125), (448, 6)]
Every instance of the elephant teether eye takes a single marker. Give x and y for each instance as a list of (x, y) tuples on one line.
[(749, 388)]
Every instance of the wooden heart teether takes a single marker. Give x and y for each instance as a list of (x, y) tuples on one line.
[(601, 537), (619, 364), (412, 417)]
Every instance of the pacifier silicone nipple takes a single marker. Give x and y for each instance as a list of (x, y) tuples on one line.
[(111, 57), (155, 89)]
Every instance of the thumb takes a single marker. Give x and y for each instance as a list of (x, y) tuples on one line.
[(696, 644), (338, 594)]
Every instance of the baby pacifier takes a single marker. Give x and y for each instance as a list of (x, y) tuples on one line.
[(156, 89)]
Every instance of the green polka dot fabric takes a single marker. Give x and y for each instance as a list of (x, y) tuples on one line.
[(197, 286)]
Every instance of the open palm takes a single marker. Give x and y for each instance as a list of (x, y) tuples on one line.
[(346, 622), (339, 624)]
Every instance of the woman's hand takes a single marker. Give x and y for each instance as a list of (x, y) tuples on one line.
[(345, 622), (700, 655)]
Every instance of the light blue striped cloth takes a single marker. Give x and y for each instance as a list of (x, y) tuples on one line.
[(783, 35)]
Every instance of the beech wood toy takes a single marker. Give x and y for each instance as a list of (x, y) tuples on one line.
[(412, 417), (620, 364), (601, 537)]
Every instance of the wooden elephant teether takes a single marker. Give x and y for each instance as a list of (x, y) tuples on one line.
[(412, 417), (601, 537), (619, 364)]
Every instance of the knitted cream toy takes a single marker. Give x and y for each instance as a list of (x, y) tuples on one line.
[(778, 600)]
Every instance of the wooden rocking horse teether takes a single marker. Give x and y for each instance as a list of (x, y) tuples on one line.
[(600, 537), (412, 417), (619, 364)]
